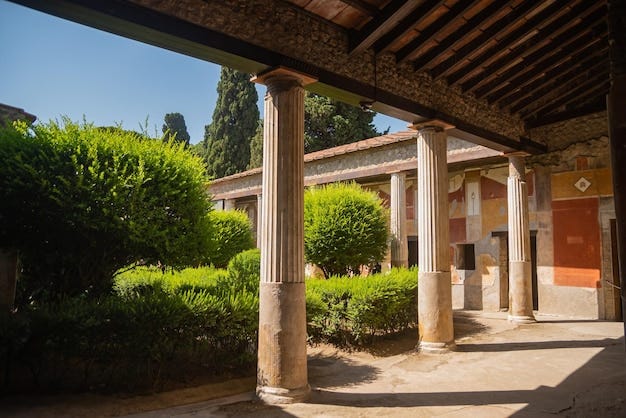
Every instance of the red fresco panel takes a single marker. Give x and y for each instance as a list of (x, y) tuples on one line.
[(457, 230), (576, 242), (491, 189)]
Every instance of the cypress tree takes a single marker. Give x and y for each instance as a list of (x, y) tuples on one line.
[(174, 126), (329, 123), (235, 121)]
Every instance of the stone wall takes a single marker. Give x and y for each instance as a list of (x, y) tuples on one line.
[(579, 130)]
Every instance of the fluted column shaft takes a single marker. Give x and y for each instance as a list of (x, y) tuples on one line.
[(399, 249), (434, 285), (282, 365), (520, 273), (259, 211)]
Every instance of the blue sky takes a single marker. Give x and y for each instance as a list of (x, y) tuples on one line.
[(51, 67)]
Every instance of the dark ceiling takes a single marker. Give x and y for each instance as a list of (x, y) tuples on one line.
[(546, 60)]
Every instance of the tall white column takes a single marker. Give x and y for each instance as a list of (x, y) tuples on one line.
[(282, 358), (259, 211), (399, 248), (520, 273), (436, 332)]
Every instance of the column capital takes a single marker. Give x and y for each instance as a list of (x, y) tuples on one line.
[(282, 73), (516, 154), (434, 124)]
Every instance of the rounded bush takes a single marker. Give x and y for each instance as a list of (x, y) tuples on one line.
[(344, 227), (244, 270), (231, 234), (80, 202)]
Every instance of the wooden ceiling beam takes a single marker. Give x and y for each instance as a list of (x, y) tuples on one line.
[(545, 58), (453, 14), (531, 24), (406, 25), (493, 31), (579, 48), (567, 79), (556, 33), (597, 105), (382, 23), (458, 35), (583, 90), (567, 70), (362, 6)]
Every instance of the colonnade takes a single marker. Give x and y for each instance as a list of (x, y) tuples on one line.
[(282, 362)]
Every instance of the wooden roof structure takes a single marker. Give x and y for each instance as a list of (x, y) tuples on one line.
[(494, 69), (505, 52)]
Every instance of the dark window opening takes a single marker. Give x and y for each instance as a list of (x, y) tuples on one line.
[(465, 259)]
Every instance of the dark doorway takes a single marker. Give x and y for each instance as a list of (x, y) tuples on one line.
[(412, 243), (504, 259), (617, 301)]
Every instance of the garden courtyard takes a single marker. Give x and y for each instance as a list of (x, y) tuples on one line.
[(558, 366)]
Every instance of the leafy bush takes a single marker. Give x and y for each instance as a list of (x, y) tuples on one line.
[(244, 270), (80, 202), (231, 234), (344, 310), (173, 327), (144, 280), (344, 227)]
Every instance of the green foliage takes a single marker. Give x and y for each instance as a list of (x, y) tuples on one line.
[(144, 280), (353, 310), (344, 227), (174, 128), (156, 325), (177, 325), (244, 270), (235, 121), (329, 123), (80, 202), (231, 234), (256, 148)]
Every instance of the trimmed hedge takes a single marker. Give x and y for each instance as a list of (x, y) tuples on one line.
[(231, 234), (348, 311), (80, 202), (173, 326), (345, 227), (155, 329)]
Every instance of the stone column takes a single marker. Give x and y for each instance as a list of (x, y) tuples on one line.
[(520, 274), (434, 304), (399, 249), (229, 204), (282, 356), (616, 103), (259, 229)]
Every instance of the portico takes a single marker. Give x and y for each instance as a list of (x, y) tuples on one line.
[(495, 73)]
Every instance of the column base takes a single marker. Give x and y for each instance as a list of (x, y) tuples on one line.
[(435, 348), (522, 319), (274, 396)]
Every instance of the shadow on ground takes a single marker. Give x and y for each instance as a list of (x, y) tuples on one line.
[(598, 388)]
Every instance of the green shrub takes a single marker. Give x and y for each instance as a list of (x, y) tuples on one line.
[(345, 310), (134, 341), (143, 280), (80, 202), (244, 270), (344, 227), (231, 234)]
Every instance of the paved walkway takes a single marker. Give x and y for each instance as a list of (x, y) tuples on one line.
[(554, 367)]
